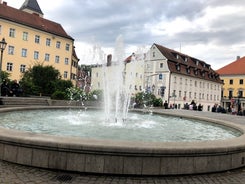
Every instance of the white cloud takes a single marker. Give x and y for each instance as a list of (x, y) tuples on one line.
[(210, 30)]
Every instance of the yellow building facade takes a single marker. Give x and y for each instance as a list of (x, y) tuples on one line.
[(233, 91), (32, 40)]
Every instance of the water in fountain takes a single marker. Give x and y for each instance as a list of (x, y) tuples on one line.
[(116, 93)]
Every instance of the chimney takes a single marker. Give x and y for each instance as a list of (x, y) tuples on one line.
[(238, 57), (109, 58), (4, 3)]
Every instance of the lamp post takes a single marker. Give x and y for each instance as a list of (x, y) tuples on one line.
[(3, 44)]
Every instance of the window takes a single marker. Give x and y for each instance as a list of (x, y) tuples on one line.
[(58, 44), (48, 42), (240, 94), (66, 61), (230, 94), (153, 54), (189, 94), (180, 80), (22, 68), (161, 65), (10, 67), (231, 81), (241, 82), (24, 52), (0, 29), (160, 76), (67, 47), (37, 39), (175, 79), (12, 32), (36, 54), (25, 36), (180, 94), (57, 59), (11, 50), (47, 56), (195, 83), (177, 67), (65, 74)]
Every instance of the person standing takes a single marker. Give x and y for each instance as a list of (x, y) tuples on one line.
[(15, 88)]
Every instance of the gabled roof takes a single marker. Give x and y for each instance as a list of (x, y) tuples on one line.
[(31, 5), (31, 20), (187, 65), (235, 68)]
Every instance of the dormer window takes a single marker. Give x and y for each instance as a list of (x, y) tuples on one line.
[(195, 71), (178, 67), (203, 73), (197, 62), (177, 56), (188, 70), (186, 59)]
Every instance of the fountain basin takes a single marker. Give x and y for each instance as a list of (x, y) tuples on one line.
[(122, 157)]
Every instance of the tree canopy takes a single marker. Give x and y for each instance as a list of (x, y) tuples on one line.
[(43, 80)]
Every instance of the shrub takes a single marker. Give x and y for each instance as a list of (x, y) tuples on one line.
[(59, 95)]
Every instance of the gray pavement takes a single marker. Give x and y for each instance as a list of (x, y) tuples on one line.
[(18, 174)]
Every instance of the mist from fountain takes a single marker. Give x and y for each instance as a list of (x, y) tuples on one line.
[(116, 93)]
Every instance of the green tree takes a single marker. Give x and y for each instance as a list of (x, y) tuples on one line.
[(43, 80), (4, 75), (147, 99)]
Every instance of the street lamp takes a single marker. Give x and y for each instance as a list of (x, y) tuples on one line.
[(3, 44)]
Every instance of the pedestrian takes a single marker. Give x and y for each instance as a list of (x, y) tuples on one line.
[(15, 88), (165, 104)]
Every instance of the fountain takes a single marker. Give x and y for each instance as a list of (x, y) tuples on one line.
[(218, 146)]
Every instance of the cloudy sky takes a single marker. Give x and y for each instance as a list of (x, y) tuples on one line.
[(210, 30)]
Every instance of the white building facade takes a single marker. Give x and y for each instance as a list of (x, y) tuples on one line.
[(181, 79), (133, 73)]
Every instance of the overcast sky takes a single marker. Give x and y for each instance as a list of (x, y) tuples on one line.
[(210, 30)]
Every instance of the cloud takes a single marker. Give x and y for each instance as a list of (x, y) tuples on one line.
[(210, 30)]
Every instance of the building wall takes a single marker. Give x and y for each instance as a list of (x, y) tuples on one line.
[(233, 91), (18, 43), (186, 89), (157, 74), (179, 88), (234, 83), (133, 79)]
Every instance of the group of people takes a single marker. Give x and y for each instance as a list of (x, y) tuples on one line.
[(10, 90)]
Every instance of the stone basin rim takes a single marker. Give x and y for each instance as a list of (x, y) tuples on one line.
[(95, 145)]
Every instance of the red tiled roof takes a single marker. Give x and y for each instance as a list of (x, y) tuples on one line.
[(235, 68), (31, 20), (187, 65)]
